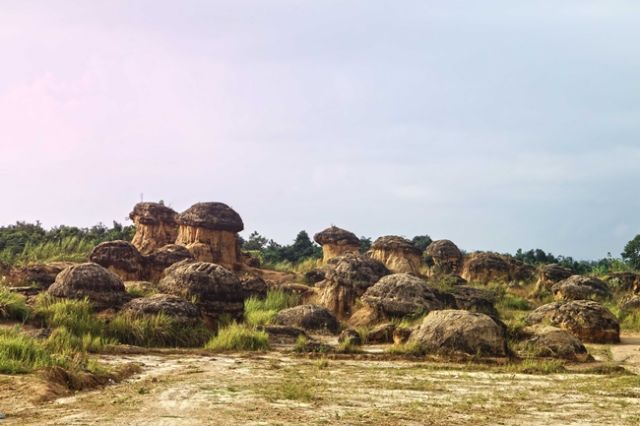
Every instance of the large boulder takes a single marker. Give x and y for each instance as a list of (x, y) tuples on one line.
[(215, 289), (623, 281), (550, 274), (161, 258), (554, 342), (578, 287), (120, 257), (455, 331), (41, 275), (445, 257), (103, 288), (472, 299), (401, 295), (587, 320), (309, 317), (486, 267), (253, 286), (397, 254), (167, 304), (347, 277)]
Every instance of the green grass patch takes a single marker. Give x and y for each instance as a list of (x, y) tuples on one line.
[(74, 315), (62, 341), (263, 311), (239, 337), (20, 353), (158, 330), (13, 306), (409, 348)]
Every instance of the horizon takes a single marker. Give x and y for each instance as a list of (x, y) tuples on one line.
[(498, 127)]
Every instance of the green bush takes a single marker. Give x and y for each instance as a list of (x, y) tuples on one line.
[(239, 337), (13, 306)]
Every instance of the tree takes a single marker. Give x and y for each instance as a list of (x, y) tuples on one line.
[(631, 253), (421, 241), (365, 244), (255, 242)]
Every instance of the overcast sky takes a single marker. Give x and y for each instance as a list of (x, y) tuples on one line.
[(496, 124)]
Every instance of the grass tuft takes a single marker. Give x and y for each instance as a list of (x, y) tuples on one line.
[(263, 311), (13, 306), (239, 337)]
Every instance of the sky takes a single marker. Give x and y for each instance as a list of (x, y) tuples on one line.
[(496, 124)]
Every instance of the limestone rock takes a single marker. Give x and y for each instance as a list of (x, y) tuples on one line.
[(587, 320), (282, 334), (102, 287), (42, 275), (347, 277), (155, 226), (630, 304), (173, 306), (120, 257), (336, 242), (216, 290), (253, 286), (382, 333), (551, 274), (474, 300), (160, 259), (578, 287), (486, 267), (309, 317), (397, 254), (554, 342), (350, 336), (624, 281), (446, 257), (401, 295), (455, 331)]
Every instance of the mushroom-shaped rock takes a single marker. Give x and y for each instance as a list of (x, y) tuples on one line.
[(578, 287), (397, 254), (41, 275), (102, 287), (215, 289), (160, 259), (120, 257), (155, 226), (550, 274), (453, 331), (554, 342), (347, 277), (445, 256), (587, 320), (309, 317), (167, 304), (336, 242), (209, 231), (485, 267), (400, 295)]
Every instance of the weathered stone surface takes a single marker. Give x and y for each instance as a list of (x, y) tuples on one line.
[(336, 242), (42, 275), (486, 267), (554, 342), (578, 287), (103, 288), (474, 300), (167, 304), (400, 295), (397, 254), (587, 320), (209, 231), (253, 286), (160, 259), (282, 334), (456, 331), (382, 333), (216, 290), (155, 226), (309, 317), (350, 336), (445, 256), (120, 257), (314, 276), (550, 274), (347, 277), (623, 281), (630, 304)]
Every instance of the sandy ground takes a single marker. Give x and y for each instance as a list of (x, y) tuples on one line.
[(277, 388)]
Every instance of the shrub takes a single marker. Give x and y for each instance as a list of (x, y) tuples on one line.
[(237, 337), (13, 306)]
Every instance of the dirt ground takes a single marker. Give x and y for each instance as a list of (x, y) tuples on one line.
[(278, 388)]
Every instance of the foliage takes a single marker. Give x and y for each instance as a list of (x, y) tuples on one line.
[(13, 305), (263, 311), (365, 244), (599, 267), (75, 315), (631, 252), (20, 353), (239, 337), (158, 330), (272, 253), (422, 242)]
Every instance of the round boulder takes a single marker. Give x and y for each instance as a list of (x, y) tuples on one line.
[(553, 342), (120, 257), (578, 287), (587, 320), (397, 253), (454, 331), (486, 267), (167, 304), (551, 274), (160, 259), (445, 256), (41, 275), (102, 287), (401, 295), (215, 289), (309, 317)]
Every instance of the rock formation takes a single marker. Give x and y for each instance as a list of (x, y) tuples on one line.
[(121, 258), (577, 287), (215, 289), (486, 267), (155, 226), (551, 274), (347, 277), (41, 275), (209, 231), (554, 342), (587, 320), (336, 242), (397, 254), (102, 287), (160, 259), (623, 281), (173, 306), (309, 317), (445, 256), (453, 331), (401, 295)]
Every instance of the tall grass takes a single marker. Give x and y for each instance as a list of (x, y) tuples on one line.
[(73, 249), (13, 306), (300, 268), (263, 311), (156, 330), (20, 353), (75, 315), (239, 337)]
